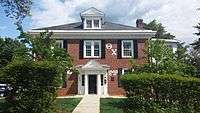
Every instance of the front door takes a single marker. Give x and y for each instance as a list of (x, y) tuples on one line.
[(92, 84)]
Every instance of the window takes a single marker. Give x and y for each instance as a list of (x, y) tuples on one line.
[(96, 23), (59, 43), (127, 48), (101, 80), (83, 80), (92, 48), (125, 71), (89, 23)]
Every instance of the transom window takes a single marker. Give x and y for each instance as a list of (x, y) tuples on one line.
[(127, 48), (59, 43), (92, 48), (89, 23)]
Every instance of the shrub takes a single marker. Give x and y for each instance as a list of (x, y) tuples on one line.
[(33, 86), (164, 88)]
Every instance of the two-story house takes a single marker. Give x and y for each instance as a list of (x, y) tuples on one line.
[(100, 50)]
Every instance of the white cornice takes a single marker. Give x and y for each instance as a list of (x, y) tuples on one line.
[(100, 34), (93, 31)]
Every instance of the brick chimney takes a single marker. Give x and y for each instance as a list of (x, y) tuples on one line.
[(139, 23)]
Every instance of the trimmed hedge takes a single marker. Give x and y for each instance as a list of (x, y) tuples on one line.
[(164, 88), (33, 86)]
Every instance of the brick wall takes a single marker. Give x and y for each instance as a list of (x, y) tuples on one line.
[(111, 60)]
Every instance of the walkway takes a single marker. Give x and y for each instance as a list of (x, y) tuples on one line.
[(89, 104)]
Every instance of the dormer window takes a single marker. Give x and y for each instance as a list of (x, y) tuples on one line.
[(92, 18), (92, 24), (89, 23), (96, 23)]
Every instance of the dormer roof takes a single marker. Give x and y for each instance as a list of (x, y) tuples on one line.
[(92, 12)]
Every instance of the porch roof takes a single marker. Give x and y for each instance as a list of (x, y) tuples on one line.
[(93, 65)]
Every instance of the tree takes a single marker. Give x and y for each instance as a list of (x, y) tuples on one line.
[(195, 53), (8, 48), (161, 32), (17, 10), (162, 60)]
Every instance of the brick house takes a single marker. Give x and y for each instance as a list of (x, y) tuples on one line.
[(100, 50)]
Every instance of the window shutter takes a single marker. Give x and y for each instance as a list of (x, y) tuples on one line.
[(135, 47), (119, 51), (65, 44), (119, 74), (81, 51), (103, 49)]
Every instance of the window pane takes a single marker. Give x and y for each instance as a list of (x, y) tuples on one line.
[(89, 23), (127, 48), (127, 45), (83, 80), (101, 80), (127, 53), (59, 44), (88, 48), (96, 48), (96, 23)]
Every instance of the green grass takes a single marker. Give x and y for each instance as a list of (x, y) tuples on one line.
[(67, 105), (64, 105), (111, 105)]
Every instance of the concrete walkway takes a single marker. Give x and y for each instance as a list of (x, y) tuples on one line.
[(89, 104)]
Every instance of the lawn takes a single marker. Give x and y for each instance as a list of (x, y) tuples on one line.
[(65, 105), (111, 105)]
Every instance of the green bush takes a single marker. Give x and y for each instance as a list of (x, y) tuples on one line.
[(33, 86), (173, 89)]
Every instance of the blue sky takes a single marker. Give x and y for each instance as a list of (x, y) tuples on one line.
[(177, 16)]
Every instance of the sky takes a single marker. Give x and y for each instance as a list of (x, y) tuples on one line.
[(178, 16)]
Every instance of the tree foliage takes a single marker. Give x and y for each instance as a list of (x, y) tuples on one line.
[(8, 48), (17, 10), (161, 59), (161, 32)]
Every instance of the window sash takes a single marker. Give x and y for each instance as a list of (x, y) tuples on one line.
[(127, 50), (96, 23), (94, 50), (59, 43), (89, 23)]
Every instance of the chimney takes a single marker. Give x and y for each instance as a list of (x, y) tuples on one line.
[(139, 23)]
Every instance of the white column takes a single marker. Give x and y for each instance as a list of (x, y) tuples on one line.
[(86, 84), (99, 84)]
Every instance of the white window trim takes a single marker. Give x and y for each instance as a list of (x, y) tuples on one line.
[(92, 49), (123, 70), (93, 27), (60, 41), (122, 52)]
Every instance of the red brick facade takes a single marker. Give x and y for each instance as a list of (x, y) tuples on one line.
[(110, 60)]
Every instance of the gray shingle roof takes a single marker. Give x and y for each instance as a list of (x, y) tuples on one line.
[(79, 26)]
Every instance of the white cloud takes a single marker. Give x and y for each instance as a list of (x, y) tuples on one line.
[(178, 16)]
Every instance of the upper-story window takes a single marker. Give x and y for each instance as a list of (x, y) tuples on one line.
[(127, 48), (89, 23), (92, 24), (92, 48), (96, 23), (59, 43)]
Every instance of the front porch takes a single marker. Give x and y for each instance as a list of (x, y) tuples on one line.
[(92, 78)]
